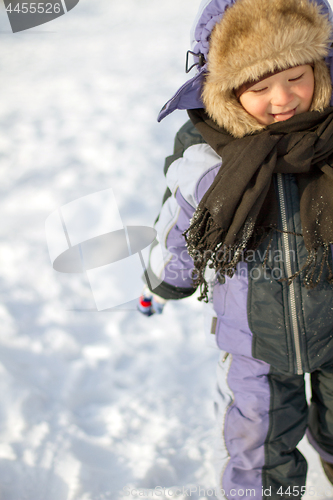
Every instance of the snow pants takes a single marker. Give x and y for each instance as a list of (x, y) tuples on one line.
[(261, 417)]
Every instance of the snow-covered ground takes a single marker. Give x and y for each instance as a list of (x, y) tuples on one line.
[(96, 404)]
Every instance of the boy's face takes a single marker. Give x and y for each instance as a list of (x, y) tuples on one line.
[(280, 96)]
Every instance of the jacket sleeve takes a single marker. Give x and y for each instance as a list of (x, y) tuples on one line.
[(184, 169)]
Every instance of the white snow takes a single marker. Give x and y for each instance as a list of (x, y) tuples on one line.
[(96, 404)]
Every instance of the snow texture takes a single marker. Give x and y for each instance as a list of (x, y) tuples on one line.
[(96, 405)]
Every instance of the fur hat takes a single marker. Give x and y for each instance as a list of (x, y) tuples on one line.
[(257, 37)]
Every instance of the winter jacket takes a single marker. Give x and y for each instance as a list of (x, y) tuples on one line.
[(254, 313)]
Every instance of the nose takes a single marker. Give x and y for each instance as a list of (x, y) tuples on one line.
[(281, 95)]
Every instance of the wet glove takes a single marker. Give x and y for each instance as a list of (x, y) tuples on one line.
[(150, 304)]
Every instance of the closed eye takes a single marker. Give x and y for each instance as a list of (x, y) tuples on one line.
[(259, 90), (295, 79)]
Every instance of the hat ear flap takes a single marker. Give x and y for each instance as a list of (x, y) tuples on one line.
[(323, 87), (225, 109)]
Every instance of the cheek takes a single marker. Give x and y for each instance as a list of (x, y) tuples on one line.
[(254, 105), (306, 95), (260, 107)]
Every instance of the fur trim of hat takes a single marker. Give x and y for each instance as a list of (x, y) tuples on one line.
[(256, 37)]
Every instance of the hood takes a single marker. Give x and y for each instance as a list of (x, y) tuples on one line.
[(210, 12)]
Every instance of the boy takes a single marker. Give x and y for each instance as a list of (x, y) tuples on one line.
[(263, 221)]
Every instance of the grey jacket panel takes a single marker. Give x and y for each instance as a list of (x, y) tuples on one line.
[(269, 306)]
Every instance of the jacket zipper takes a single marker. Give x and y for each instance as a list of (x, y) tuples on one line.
[(292, 294)]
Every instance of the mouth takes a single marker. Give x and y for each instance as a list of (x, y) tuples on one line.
[(280, 117)]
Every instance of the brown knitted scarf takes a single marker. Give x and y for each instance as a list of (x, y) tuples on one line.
[(240, 208)]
